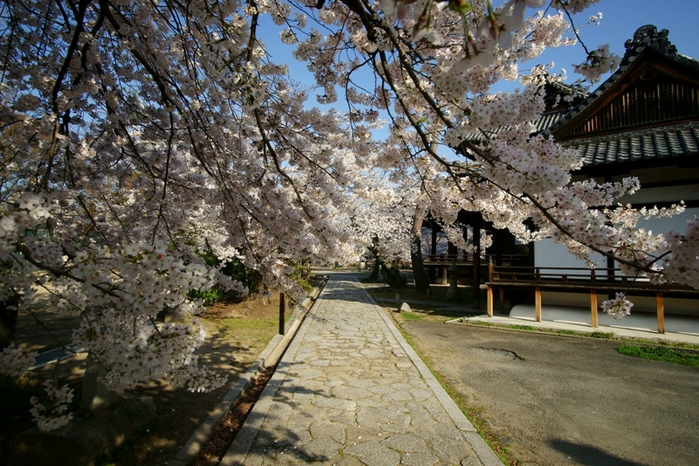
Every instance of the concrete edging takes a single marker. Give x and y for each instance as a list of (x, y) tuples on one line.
[(267, 358)]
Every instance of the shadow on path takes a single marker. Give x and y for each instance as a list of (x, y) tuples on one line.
[(589, 455)]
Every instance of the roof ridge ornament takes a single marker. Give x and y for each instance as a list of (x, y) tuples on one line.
[(648, 36), (645, 38)]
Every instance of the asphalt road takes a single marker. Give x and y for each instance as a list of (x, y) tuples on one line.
[(562, 400)]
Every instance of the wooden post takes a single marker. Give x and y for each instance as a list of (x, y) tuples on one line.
[(477, 265), (660, 306), (433, 256), (537, 303), (490, 301), (282, 311), (593, 307)]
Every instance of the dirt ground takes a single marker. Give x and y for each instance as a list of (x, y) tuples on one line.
[(237, 333), (558, 400)]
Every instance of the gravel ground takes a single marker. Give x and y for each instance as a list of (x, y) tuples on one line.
[(557, 400)]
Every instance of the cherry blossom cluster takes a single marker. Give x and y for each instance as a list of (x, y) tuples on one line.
[(683, 263), (496, 110), (150, 352), (18, 213), (617, 307), (599, 62), (15, 362), (51, 413)]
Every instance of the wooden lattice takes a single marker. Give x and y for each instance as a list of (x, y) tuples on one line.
[(647, 102)]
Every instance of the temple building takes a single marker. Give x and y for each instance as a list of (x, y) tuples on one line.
[(643, 121)]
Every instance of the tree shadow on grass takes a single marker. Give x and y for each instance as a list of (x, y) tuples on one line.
[(179, 412)]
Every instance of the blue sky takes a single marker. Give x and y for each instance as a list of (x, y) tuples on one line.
[(621, 18)]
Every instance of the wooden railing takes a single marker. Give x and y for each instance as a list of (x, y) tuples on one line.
[(564, 275), (576, 279), (465, 258)]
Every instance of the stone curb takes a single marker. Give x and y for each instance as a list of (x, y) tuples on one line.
[(480, 447), (267, 358), (238, 450)]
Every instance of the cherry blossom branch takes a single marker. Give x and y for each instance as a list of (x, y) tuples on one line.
[(567, 232), (26, 254)]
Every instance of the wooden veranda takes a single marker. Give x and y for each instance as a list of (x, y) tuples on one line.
[(571, 279)]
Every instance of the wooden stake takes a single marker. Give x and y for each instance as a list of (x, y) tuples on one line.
[(490, 301), (537, 303)]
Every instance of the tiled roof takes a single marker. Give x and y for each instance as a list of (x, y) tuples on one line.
[(648, 143), (540, 124), (634, 146)]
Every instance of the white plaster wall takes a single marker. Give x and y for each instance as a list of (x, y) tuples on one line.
[(548, 253), (679, 306), (687, 192)]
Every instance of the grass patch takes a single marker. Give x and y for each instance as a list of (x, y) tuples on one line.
[(412, 316), (423, 315), (551, 331), (661, 353), (598, 335), (528, 328), (248, 332)]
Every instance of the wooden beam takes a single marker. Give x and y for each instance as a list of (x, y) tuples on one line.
[(593, 307), (537, 303), (660, 307), (490, 301)]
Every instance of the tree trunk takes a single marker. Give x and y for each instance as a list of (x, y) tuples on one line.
[(422, 283), (392, 276), (8, 322), (375, 271), (373, 249), (96, 397)]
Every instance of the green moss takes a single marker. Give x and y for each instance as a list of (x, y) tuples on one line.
[(661, 353)]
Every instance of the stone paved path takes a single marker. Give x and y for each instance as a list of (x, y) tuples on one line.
[(350, 391)]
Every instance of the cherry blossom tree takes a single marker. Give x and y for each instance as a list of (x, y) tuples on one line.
[(137, 134), (382, 217)]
